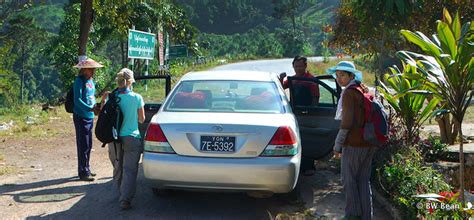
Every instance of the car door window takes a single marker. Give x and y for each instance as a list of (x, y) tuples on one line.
[(304, 96)]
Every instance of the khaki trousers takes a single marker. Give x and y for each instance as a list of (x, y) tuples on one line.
[(124, 157)]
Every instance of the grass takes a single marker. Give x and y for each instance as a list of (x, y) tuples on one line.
[(4, 169), (319, 68), (28, 119)]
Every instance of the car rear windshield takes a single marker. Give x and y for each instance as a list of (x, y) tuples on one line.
[(226, 96)]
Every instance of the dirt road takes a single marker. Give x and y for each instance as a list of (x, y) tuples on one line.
[(43, 184)]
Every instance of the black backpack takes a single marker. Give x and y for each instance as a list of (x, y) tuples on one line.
[(69, 104), (110, 120)]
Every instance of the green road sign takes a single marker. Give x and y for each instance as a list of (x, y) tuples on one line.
[(178, 51), (141, 45)]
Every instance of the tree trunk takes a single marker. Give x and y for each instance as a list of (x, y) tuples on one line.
[(448, 129), (124, 54), (293, 21), (85, 25), (461, 168), (22, 80), (22, 83)]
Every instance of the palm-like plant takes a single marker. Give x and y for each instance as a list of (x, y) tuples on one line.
[(409, 98), (448, 68)]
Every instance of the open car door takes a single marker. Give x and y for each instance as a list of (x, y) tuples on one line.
[(154, 89), (318, 128)]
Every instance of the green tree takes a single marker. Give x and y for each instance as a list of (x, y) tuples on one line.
[(372, 26), (107, 40), (23, 32), (293, 42), (287, 9), (9, 82), (448, 68)]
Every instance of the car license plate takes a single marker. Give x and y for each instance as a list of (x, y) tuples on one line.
[(218, 143)]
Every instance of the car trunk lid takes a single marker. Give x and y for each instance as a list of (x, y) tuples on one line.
[(222, 135)]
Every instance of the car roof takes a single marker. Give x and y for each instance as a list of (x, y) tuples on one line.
[(230, 75)]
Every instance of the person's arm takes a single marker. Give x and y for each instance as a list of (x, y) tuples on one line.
[(141, 109), (348, 107), (284, 83), (346, 122), (141, 115), (78, 92), (104, 99)]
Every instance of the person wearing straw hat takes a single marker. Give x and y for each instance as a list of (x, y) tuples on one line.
[(83, 116), (126, 155), (357, 154)]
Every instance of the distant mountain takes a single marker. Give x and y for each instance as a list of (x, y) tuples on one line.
[(229, 16), (238, 16)]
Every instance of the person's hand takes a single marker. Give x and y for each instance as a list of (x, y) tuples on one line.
[(337, 155), (282, 75), (96, 109), (337, 151), (104, 96)]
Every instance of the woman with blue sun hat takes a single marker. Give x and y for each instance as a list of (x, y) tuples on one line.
[(347, 66), (357, 154)]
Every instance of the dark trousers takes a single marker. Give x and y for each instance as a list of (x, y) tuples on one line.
[(84, 143), (307, 164)]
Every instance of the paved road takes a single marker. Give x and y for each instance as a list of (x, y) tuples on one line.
[(276, 66)]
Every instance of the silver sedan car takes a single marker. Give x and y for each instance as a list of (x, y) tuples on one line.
[(224, 130)]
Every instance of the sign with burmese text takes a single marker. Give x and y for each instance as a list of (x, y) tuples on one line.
[(141, 45)]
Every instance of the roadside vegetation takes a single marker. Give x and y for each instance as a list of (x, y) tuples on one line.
[(434, 82)]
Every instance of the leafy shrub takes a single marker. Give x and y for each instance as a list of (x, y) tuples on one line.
[(405, 175), (432, 149)]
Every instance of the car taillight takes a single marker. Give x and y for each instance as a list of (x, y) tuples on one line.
[(283, 143), (155, 140)]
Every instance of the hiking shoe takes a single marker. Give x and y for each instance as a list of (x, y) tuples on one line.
[(125, 205), (86, 178), (93, 174)]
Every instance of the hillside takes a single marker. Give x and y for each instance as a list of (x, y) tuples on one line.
[(239, 16)]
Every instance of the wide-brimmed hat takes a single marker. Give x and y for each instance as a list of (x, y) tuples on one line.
[(347, 66), (125, 74), (88, 63)]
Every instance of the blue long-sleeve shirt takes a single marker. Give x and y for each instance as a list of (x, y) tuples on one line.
[(84, 98)]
